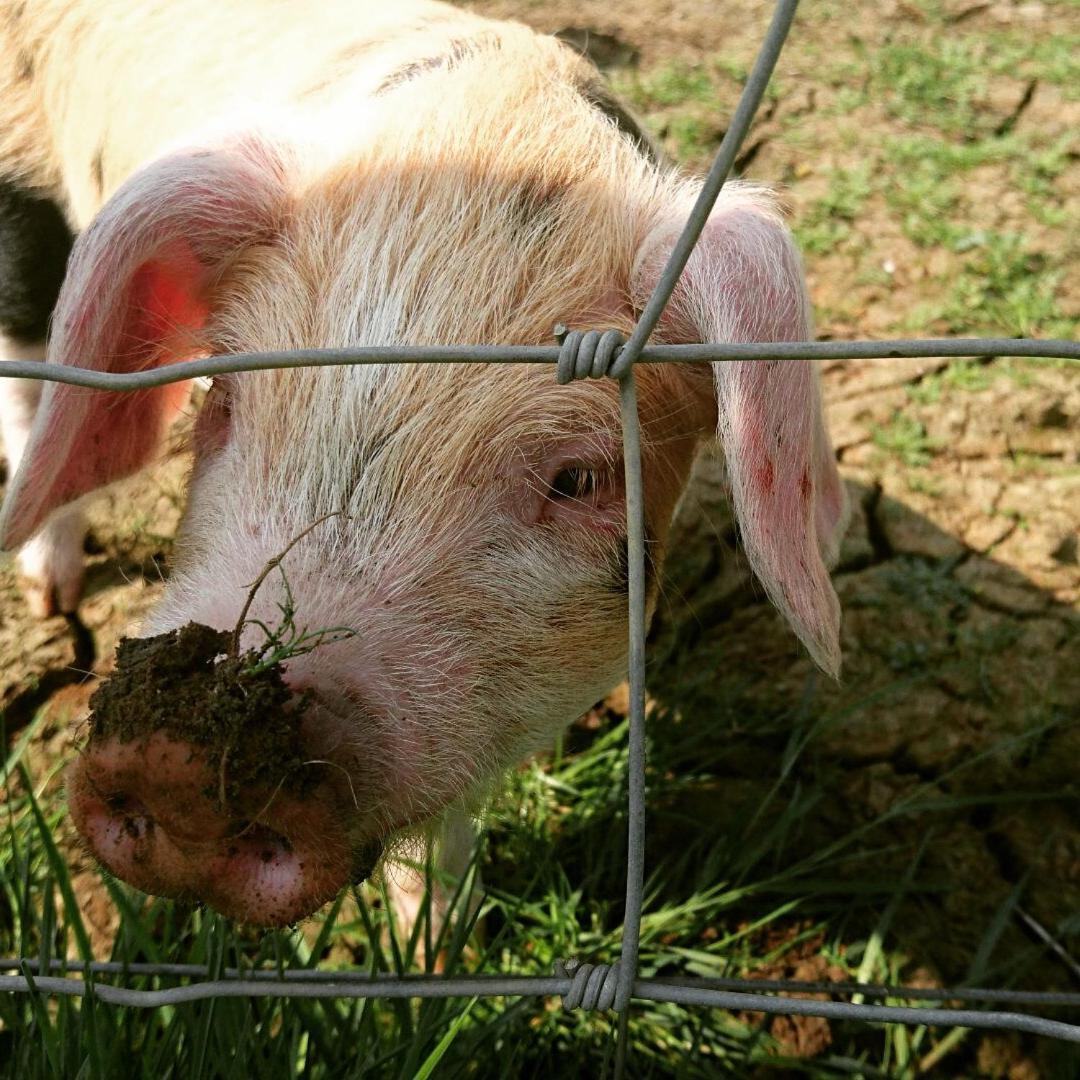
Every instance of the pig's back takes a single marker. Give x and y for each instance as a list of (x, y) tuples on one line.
[(92, 89)]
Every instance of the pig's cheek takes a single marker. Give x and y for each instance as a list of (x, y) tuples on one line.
[(387, 731), (579, 643)]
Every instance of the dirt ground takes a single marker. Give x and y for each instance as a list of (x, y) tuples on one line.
[(958, 714), (907, 138)]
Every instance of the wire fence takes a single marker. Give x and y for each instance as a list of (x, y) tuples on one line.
[(580, 985)]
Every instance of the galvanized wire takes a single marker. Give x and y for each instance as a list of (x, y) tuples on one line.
[(588, 985), (138, 969), (747, 106), (207, 367), (421, 986), (622, 369)]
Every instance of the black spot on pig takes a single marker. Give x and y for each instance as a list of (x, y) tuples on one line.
[(535, 206), (342, 63), (460, 49), (601, 98), (412, 70), (97, 170), (35, 242)]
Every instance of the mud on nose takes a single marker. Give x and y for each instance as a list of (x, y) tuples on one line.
[(149, 811)]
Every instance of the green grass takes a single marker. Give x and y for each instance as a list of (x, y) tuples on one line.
[(676, 84), (932, 82), (754, 888), (906, 438), (969, 376), (1005, 284), (686, 103), (829, 220)]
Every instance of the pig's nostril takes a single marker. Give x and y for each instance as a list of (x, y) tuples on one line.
[(137, 822), (119, 802), (138, 827), (252, 837)]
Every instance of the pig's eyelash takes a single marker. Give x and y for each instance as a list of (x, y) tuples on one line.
[(574, 482)]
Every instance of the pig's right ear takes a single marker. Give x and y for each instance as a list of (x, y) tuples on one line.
[(135, 297), (744, 283)]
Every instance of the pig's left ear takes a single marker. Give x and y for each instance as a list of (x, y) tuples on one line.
[(135, 296), (744, 282)]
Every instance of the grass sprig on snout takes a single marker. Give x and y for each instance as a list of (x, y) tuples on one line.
[(286, 639)]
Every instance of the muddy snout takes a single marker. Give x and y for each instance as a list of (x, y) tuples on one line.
[(194, 784)]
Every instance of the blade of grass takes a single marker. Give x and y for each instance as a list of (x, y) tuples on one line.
[(60, 871), (436, 1055)]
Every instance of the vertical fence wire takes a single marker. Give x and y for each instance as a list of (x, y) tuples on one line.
[(622, 369)]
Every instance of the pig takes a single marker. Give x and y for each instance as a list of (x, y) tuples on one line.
[(351, 174), (35, 241)]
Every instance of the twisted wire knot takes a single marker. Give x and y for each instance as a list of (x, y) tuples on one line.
[(593, 985), (588, 354)]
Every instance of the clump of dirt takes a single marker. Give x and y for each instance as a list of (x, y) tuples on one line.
[(236, 710)]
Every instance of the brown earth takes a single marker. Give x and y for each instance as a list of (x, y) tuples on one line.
[(236, 709)]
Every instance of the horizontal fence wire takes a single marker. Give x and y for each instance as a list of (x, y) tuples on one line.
[(141, 969), (677, 991), (742, 995), (210, 366)]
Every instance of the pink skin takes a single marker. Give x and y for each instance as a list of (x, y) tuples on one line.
[(484, 588), (50, 566), (142, 807)]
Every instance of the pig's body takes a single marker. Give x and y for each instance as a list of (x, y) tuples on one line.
[(90, 92), (335, 175)]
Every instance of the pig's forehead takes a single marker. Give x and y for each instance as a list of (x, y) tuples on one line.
[(467, 408), (421, 243)]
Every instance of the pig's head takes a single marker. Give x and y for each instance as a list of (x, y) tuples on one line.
[(478, 552)]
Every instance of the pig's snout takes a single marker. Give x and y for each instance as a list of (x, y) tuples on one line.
[(150, 812)]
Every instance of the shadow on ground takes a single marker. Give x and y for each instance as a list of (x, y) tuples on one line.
[(932, 793)]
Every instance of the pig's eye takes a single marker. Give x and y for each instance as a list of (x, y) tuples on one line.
[(574, 483), (579, 484), (582, 494)]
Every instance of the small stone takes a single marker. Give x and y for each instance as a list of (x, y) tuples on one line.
[(1066, 551), (907, 531)]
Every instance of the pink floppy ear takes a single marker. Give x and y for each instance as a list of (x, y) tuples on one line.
[(135, 297), (744, 282)]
